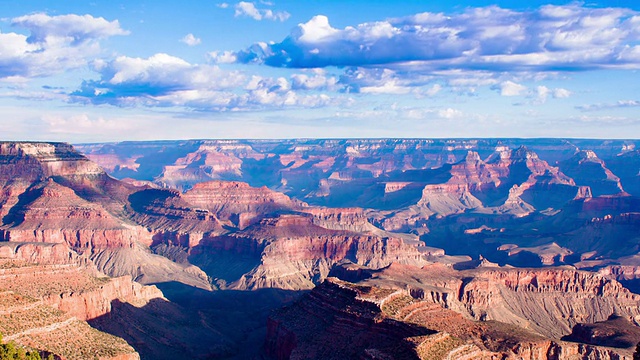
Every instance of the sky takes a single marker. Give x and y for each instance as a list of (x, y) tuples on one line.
[(97, 71)]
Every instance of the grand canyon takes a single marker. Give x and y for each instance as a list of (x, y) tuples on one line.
[(322, 249)]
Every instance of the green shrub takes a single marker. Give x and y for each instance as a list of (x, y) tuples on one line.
[(11, 351)]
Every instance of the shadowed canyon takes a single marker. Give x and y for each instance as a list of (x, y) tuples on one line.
[(322, 249)]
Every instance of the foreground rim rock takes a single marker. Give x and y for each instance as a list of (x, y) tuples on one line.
[(48, 295)]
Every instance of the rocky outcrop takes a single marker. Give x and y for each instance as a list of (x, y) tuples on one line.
[(291, 252), (166, 211), (328, 172), (39, 253), (589, 170), (386, 322), (334, 308), (34, 161), (237, 202), (45, 304), (56, 215), (548, 301), (147, 268), (92, 303)]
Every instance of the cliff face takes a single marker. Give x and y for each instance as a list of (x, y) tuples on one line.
[(589, 170), (97, 302), (237, 202), (38, 161), (372, 322), (291, 252), (287, 244), (499, 200), (47, 293), (532, 192), (549, 301), (38, 253)]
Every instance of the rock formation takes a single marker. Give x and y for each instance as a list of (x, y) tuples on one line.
[(372, 322), (427, 226), (48, 294)]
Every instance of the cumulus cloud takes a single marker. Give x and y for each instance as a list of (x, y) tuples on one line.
[(191, 40), (384, 81), (510, 88), (76, 28), (249, 9), (222, 57), (570, 37), (55, 43), (450, 113), (318, 79), (543, 92), (165, 80)]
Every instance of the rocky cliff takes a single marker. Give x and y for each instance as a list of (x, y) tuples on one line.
[(549, 301), (48, 293), (237, 202), (291, 252), (277, 217), (372, 322)]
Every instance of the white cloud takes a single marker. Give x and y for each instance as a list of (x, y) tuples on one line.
[(561, 93), (433, 90), (223, 5), (82, 123), (490, 38), (165, 80), (73, 28), (510, 88), (389, 87), (543, 92), (191, 40), (450, 113), (318, 80), (55, 44), (249, 9), (223, 57)]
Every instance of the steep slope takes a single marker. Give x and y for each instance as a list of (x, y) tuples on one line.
[(588, 170), (46, 305), (291, 252), (237, 202), (626, 166), (373, 322), (52, 194), (549, 301), (57, 214)]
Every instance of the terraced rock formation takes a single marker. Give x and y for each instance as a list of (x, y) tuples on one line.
[(46, 305), (439, 313)]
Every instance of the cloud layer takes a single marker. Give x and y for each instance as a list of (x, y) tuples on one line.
[(165, 80), (55, 43), (569, 37)]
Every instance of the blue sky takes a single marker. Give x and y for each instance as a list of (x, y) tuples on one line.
[(81, 71)]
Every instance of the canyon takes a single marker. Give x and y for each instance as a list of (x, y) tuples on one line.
[(487, 248)]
